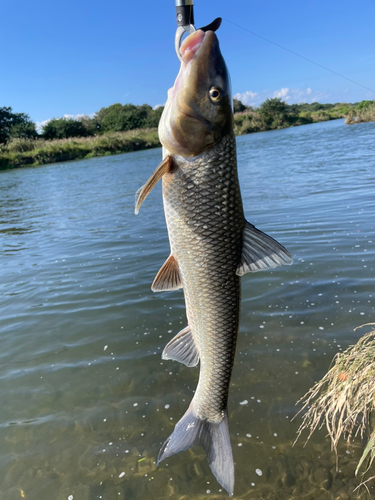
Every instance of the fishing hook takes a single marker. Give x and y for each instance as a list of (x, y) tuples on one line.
[(185, 22)]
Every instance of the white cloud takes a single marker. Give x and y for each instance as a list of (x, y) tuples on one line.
[(282, 93), (40, 125), (249, 98), (291, 96), (79, 116), (299, 95)]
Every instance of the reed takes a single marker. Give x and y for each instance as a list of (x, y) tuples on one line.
[(343, 401)]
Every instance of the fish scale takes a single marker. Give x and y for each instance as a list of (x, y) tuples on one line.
[(205, 221)]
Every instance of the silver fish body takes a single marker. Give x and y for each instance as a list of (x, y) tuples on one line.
[(212, 244), (203, 209)]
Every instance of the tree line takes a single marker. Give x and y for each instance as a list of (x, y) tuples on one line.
[(114, 118), (272, 113), (276, 110)]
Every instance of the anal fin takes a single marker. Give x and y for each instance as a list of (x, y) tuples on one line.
[(182, 348), (260, 252), (168, 278), (165, 167)]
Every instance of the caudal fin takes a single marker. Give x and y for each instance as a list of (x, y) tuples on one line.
[(214, 439)]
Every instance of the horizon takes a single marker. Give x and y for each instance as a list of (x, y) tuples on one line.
[(76, 64)]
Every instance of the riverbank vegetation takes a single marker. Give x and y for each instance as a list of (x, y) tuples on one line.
[(31, 152), (276, 114), (362, 112), (123, 128)]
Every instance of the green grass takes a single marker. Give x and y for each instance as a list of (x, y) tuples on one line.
[(27, 152)]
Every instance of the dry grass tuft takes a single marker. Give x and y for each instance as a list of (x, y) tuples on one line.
[(344, 399)]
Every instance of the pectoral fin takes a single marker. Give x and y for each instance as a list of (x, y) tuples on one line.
[(182, 348), (168, 278), (165, 166), (260, 252)]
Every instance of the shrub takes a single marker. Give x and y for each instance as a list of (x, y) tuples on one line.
[(63, 128), (363, 112), (154, 117), (274, 111), (365, 104), (15, 125), (119, 118), (238, 107)]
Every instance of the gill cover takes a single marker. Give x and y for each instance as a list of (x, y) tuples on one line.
[(198, 113)]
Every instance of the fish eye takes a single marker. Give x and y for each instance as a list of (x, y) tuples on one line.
[(215, 94)]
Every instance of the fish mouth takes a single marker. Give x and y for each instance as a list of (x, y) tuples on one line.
[(199, 45), (191, 45)]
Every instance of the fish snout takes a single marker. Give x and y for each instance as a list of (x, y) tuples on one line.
[(195, 41)]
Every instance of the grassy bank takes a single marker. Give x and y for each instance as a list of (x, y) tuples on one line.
[(254, 121), (32, 152)]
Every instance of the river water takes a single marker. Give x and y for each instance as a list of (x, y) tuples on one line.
[(86, 400)]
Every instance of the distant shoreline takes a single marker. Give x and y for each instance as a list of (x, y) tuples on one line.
[(32, 153), (35, 152)]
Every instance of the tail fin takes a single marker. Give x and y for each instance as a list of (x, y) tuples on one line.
[(214, 439)]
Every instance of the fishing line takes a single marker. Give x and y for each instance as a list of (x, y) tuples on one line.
[(298, 55)]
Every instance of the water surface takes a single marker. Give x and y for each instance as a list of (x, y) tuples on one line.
[(86, 400)]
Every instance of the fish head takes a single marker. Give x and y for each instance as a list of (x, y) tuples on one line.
[(198, 112)]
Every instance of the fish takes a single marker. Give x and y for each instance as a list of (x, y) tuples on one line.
[(211, 243)]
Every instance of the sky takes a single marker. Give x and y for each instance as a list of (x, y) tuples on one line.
[(75, 57)]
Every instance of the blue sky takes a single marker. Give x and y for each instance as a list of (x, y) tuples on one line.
[(75, 57)]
